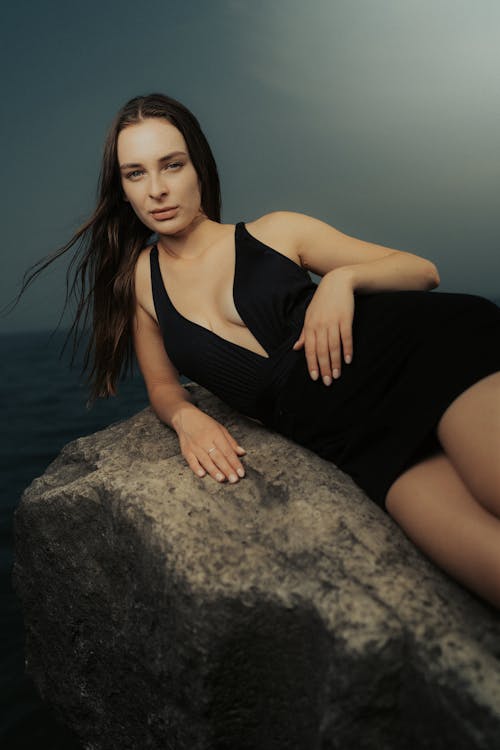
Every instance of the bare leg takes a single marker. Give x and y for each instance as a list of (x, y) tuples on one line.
[(438, 512), (469, 432)]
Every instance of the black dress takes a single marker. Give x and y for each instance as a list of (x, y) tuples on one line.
[(414, 353)]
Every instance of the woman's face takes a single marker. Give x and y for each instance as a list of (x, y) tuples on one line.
[(157, 173)]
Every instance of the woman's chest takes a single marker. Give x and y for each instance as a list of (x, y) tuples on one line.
[(205, 294)]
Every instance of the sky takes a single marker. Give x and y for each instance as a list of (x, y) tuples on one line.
[(380, 117)]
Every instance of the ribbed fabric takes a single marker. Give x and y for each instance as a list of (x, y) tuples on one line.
[(271, 294)]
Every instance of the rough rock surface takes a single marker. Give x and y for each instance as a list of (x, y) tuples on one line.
[(285, 611)]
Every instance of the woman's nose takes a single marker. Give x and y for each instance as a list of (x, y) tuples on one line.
[(157, 187)]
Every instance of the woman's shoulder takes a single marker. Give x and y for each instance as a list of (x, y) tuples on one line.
[(142, 265), (142, 276), (143, 257), (273, 221), (278, 229)]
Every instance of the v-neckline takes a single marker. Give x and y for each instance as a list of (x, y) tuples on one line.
[(237, 227)]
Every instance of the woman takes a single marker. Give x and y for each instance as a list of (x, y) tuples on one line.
[(398, 386)]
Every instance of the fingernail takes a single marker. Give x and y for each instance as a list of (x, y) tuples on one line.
[(240, 448), (201, 473), (336, 373), (314, 374), (219, 477), (348, 359), (233, 478), (327, 379), (241, 472)]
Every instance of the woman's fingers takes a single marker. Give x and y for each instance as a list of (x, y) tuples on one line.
[(300, 341), (347, 345), (231, 453), (334, 349), (327, 329), (232, 442), (323, 348), (324, 354), (221, 462), (310, 352), (220, 459), (209, 447), (216, 464), (195, 465)]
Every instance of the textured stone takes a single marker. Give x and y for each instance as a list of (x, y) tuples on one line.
[(284, 611)]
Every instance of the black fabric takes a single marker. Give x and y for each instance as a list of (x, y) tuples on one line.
[(414, 353)]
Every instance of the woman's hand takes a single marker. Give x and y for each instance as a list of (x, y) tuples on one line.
[(327, 325), (207, 446)]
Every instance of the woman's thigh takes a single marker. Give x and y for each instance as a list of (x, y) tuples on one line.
[(437, 511), (469, 431)]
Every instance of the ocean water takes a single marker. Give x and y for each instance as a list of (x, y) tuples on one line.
[(43, 408)]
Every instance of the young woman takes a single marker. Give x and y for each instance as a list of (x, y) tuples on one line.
[(398, 386)]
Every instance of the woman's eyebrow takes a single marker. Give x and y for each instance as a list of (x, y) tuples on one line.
[(163, 158)]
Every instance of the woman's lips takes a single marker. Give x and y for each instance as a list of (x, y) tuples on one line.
[(162, 215)]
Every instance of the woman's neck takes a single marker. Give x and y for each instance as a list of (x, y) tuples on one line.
[(185, 245)]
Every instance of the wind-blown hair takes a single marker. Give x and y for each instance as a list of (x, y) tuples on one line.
[(110, 243)]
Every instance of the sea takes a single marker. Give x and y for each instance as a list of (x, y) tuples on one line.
[(43, 402)]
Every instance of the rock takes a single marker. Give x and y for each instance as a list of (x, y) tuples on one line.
[(284, 611)]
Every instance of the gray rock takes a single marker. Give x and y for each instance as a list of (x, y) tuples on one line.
[(284, 611)]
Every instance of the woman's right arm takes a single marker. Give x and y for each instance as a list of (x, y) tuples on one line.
[(198, 432)]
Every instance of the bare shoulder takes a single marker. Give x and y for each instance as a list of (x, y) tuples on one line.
[(281, 231), (142, 280)]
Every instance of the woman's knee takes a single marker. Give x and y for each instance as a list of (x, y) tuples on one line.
[(430, 495), (414, 485), (469, 432), (437, 512)]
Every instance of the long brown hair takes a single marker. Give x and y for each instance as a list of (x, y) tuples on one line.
[(110, 243)]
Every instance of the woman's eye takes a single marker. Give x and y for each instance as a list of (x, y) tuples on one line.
[(175, 164)]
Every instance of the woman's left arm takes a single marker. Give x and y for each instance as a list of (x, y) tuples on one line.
[(347, 265), (373, 268)]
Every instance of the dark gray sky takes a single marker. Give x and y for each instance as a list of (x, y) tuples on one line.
[(381, 117)]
